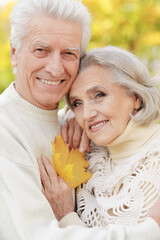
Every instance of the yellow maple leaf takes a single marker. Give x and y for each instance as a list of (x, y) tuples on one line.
[(70, 165)]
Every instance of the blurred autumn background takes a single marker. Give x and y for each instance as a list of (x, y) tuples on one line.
[(131, 24)]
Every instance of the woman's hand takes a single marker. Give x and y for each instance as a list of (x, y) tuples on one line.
[(73, 134), (155, 212), (55, 189)]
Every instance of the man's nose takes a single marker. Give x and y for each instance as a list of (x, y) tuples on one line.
[(89, 112), (55, 65)]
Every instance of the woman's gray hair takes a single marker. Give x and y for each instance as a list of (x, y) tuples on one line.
[(64, 9), (125, 69)]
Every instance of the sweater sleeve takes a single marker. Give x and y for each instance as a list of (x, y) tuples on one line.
[(71, 219), (148, 230), (65, 114), (144, 231)]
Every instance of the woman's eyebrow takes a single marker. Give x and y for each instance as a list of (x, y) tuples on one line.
[(95, 88), (73, 98), (89, 91)]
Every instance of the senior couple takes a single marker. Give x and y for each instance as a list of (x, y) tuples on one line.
[(114, 100)]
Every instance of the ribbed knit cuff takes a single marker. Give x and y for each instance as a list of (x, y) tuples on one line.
[(71, 219)]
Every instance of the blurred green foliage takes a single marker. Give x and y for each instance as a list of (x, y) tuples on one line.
[(6, 75), (130, 24)]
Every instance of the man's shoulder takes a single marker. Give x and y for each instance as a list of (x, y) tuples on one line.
[(4, 98), (5, 110)]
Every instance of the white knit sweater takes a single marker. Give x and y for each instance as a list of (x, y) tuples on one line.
[(25, 214), (126, 179)]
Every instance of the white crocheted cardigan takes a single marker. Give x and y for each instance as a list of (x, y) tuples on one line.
[(126, 179)]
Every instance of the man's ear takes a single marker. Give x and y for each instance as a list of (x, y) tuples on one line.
[(13, 55)]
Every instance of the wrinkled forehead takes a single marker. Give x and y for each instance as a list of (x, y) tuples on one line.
[(79, 81), (53, 33), (95, 74)]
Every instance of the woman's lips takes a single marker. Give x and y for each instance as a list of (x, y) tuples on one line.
[(97, 126)]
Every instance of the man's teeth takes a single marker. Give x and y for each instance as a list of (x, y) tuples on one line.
[(50, 82), (98, 124)]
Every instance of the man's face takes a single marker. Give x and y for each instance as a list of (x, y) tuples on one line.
[(48, 61)]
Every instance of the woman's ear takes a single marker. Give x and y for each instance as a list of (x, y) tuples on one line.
[(13, 56), (137, 102)]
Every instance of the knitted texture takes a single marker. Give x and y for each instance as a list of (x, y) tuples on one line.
[(122, 193)]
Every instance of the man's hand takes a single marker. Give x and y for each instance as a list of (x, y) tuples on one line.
[(55, 189), (73, 134)]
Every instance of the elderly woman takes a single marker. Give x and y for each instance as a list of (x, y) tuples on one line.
[(117, 103)]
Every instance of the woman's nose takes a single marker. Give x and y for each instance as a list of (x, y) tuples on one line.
[(89, 112)]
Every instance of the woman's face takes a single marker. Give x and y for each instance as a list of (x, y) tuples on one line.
[(102, 108)]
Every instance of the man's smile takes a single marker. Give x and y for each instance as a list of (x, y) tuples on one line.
[(53, 83)]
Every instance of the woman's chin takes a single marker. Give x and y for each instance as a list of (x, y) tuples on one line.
[(100, 142)]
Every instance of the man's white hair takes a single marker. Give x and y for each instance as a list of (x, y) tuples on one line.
[(72, 10)]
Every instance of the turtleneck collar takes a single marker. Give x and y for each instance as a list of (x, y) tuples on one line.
[(132, 140), (30, 109)]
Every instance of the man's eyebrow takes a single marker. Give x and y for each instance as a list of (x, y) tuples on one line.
[(42, 44), (73, 49)]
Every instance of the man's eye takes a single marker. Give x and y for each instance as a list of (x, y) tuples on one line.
[(69, 53), (70, 56), (40, 49), (40, 52)]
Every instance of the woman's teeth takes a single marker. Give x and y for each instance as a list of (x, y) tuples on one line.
[(98, 124)]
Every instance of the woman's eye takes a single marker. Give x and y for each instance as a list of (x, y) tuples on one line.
[(76, 104), (100, 94)]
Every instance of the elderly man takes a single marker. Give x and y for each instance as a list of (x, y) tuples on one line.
[(48, 37)]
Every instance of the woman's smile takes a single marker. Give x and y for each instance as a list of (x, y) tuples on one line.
[(95, 127), (102, 107)]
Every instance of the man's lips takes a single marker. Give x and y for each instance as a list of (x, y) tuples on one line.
[(52, 83), (97, 125)]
